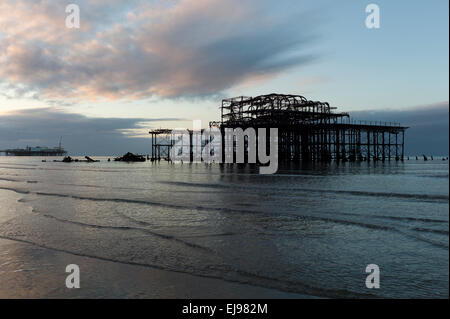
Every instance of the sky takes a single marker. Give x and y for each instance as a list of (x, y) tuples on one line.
[(137, 65)]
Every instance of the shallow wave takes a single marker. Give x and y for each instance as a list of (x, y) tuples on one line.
[(435, 176), (124, 188), (405, 218), (40, 168), (18, 167), (244, 277), (427, 230), (424, 197), (420, 197), (125, 228), (16, 190), (96, 186), (426, 240), (10, 179), (19, 164), (230, 210), (426, 220)]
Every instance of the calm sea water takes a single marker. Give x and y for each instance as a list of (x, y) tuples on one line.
[(308, 229)]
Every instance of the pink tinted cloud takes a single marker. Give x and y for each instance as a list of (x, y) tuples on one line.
[(168, 49)]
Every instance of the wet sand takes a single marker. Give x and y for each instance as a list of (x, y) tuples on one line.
[(30, 271), (27, 271)]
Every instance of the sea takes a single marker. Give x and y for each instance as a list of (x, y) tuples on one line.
[(309, 229)]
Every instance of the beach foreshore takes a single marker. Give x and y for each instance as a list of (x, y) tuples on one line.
[(28, 271), (32, 271)]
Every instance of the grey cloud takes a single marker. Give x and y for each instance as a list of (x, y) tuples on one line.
[(185, 48), (428, 131), (81, 134)]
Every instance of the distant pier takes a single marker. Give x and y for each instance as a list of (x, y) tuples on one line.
[(35, 151)]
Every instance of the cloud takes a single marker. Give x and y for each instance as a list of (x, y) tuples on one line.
[(141, 48), (81, 134), (428, 131)]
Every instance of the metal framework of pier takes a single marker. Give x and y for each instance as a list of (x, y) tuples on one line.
[(162, 142), (307, 130)]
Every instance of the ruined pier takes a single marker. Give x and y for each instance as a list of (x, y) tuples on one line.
[(307, 130)]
